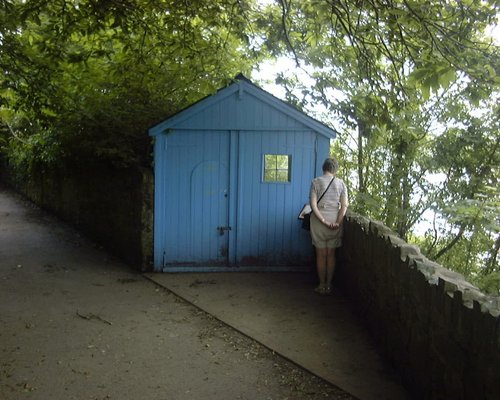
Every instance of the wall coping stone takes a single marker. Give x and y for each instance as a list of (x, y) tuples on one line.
[(451, 281)]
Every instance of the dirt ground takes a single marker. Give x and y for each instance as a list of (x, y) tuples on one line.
[(76, 323)]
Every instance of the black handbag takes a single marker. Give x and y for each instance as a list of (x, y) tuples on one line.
[(306, 221), (305, 213)]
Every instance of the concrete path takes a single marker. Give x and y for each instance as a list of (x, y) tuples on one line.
[(281, 311), (75, 323)]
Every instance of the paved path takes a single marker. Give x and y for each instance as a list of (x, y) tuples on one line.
[(281, 311), (75, 323)]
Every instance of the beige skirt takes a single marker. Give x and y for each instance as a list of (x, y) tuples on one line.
[(322, 236)]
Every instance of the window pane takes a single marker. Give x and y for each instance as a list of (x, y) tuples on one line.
[(281, 162), (270, 161), (277, 168), (269, 176), (282, 176)]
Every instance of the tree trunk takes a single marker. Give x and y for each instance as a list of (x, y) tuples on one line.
[(361, 178), (492, 263)]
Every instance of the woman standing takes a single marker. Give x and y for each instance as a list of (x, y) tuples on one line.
[(328, 199)]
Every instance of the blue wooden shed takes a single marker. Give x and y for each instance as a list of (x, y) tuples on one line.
[(231, 174)]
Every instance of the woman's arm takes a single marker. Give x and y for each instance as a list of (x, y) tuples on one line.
[(343, 209), (313, 200)]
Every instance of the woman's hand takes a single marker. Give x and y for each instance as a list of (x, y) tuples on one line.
[(330, 225)]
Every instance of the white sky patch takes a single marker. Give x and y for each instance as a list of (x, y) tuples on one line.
[(269, 70), (494, 32), (265, 76)]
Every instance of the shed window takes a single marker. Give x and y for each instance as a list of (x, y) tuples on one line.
[(277, 167)]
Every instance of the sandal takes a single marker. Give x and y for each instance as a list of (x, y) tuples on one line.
[(320, 289)]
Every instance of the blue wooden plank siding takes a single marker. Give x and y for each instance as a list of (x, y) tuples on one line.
[(267, 231), (213, 209), (196, 203)]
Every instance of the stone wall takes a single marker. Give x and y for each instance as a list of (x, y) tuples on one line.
[(113, 206), (438, 330)]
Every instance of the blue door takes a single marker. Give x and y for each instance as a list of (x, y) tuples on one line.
[(197, 202), (267, 230)]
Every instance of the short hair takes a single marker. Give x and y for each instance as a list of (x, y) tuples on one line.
[(330, 165)]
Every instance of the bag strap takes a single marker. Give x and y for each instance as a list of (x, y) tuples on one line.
[(326, 190)]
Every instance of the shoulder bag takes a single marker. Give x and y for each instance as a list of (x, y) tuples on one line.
[(305, 213)]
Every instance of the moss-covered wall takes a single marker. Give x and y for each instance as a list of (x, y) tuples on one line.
[(113, 206), (441, 332)]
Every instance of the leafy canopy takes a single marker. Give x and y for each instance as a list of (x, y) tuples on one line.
[(85, 79)]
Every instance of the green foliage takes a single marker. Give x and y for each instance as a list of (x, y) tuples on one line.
[(490, 283), (467, 157), (88, 78)]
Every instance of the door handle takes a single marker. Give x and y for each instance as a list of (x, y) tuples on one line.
[(221, 229)]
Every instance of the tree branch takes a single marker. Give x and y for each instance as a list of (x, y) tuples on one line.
[(285, 8), (450, 245)]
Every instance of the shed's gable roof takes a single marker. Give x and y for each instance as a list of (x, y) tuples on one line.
[(228, 109)]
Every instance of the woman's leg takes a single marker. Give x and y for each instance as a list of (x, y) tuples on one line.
[(330, 267), (321, 266)]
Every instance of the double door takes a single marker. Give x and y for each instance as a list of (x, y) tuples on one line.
[(219, 210)]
